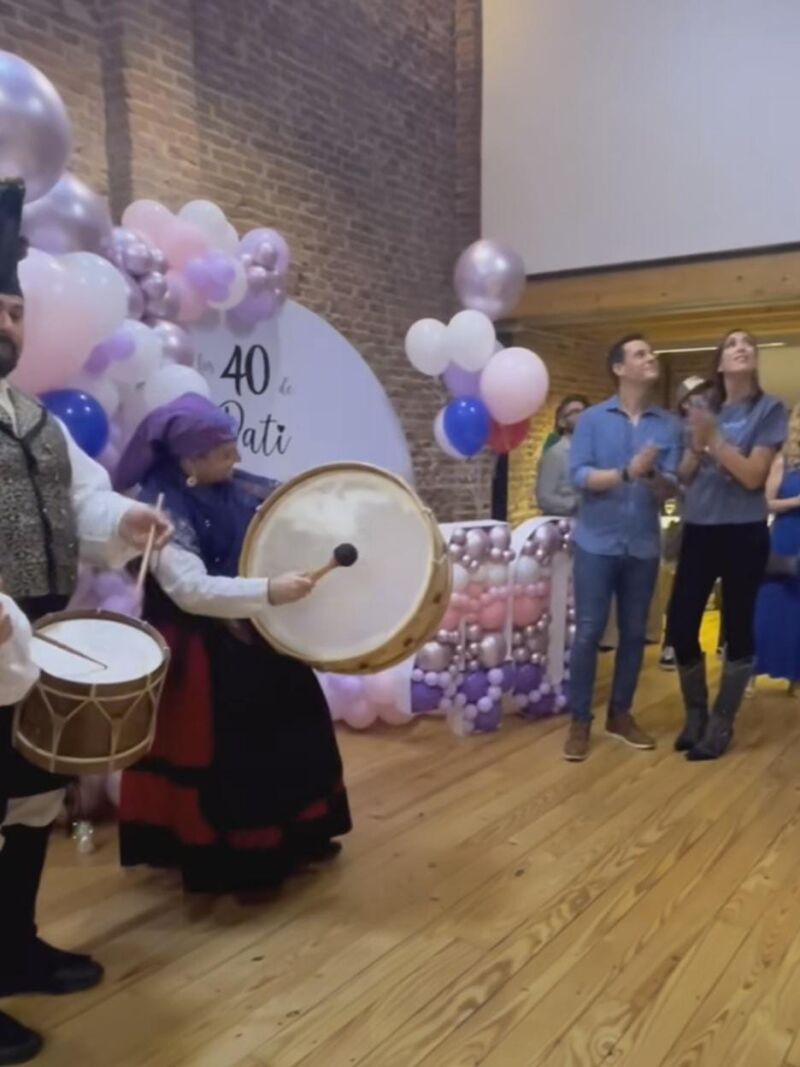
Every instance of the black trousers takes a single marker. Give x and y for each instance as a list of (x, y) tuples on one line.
[(736, 554)]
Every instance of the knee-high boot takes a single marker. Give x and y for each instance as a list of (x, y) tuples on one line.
[(695, 700), (719, 732)]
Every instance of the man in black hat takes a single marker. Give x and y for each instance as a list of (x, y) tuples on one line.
[(56, 505)]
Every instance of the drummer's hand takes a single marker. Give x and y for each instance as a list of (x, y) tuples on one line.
[(6, 626), (138, 520), (288, 588)]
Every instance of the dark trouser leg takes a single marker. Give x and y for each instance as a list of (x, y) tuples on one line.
[(636, 581), (594, 578), (743, 553)]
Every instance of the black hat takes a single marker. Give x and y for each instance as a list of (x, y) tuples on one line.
[(13, 247)]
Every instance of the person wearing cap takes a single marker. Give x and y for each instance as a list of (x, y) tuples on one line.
[(244, 783), (57, 507)]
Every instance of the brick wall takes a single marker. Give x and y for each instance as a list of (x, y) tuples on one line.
[(575, 366), (351, 125)]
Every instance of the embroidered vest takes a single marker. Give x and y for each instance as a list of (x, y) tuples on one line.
[(38, 532)]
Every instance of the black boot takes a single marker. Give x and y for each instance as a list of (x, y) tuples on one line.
[(695, 700), (719, 732), (18, 1044), (28, 964)]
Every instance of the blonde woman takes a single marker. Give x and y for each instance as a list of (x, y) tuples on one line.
[(777, 624)]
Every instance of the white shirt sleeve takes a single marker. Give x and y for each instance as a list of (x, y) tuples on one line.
[(17, 670), (98, 510), (183, 577)]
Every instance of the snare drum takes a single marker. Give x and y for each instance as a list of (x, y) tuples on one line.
[(368, 617), (80, 718)]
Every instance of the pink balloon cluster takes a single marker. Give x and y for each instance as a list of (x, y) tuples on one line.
[(360, 702)]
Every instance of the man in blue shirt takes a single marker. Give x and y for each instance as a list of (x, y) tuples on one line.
[(623, 461)]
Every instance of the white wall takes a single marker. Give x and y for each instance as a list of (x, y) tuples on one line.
[(619, 131)]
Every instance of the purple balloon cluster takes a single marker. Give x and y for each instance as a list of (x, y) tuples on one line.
[(536, 694)]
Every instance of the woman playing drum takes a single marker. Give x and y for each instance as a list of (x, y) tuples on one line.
[(244, 781)]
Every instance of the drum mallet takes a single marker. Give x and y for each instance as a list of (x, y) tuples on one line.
[(343, 556)]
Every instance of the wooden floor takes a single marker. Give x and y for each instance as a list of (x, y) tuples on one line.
[(494, 906)]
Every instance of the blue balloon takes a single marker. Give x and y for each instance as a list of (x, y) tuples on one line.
[(85, 419), (467, 423)]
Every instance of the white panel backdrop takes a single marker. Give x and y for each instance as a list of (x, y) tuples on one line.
[(619, 131)]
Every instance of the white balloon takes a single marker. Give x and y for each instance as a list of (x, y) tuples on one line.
[(101, 290), (469, 340), (236, 293), (424, 346), (171, 382), (527, 571), (461, 578), (227, 239), (146, 357), (497, 573), (442, 440), (102, 388)]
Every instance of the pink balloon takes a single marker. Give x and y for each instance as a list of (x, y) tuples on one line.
[(181, 242), (360, 715), (191, 303), (514, 385), (493, 616), (394, 716), (475, 590), (526, 610), (148, 218), (451, 619)]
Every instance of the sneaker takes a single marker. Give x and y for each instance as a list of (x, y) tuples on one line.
[(18, 1044), (45, 969), (667, 660), (623, 728), (576, 747)]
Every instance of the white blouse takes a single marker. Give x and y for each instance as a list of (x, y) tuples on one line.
[(184, 578)]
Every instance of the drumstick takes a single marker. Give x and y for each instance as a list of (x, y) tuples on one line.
[(343, 556), (68, 648), (148, 550)]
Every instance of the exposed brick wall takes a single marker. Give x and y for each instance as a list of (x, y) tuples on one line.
[(353, 126), (575, 366)]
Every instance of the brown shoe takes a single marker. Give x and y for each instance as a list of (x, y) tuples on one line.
[(576, 747), (623, 728)]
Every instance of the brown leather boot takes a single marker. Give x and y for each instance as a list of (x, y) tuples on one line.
[(576, 747)]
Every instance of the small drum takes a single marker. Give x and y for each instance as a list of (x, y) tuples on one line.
[(368, 617), (81, 718)]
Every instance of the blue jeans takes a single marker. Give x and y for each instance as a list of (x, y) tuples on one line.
[(598, 579)]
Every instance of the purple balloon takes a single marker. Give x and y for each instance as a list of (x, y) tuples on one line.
[(176, 342), (253, 309), (69, 218), (118, 346), (268, 249), (488, 721), (529, 677), (475, 686), (461, 383), (489, 277), (221, 270), (35, 134), (257, 279), (425, 698), (154, 286)]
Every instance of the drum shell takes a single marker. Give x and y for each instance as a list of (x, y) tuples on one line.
[(73, 728), (412, 634)]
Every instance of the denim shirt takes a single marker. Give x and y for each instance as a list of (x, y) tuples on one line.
[(623, 521)]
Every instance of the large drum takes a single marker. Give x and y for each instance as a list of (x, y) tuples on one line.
[(374, 614), (86, 717)]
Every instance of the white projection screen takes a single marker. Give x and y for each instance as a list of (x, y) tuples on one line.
[(622, 131)]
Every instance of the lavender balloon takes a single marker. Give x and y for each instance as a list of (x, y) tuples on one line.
[(35, 134), (154, 286), (71, 217), (490, 278), (475, 686), (425, 698), (461, 383), (118, 346), (268, 249), (136, 302)]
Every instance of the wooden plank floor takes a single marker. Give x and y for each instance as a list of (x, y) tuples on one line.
[(494, 906)]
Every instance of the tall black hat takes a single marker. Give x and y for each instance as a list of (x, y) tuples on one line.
[(13, 247)]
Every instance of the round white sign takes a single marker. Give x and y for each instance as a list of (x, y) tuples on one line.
[(301, 396)]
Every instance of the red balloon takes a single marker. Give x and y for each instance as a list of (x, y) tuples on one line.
[(504, 439)]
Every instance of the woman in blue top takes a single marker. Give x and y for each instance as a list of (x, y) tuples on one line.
[(731, 445), (778, 606)]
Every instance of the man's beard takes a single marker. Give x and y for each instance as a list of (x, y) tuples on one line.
[(9, 355)]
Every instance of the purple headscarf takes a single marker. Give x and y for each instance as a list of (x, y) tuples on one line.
[(183, 429)]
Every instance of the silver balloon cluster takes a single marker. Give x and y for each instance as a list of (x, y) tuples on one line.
[(535, 693)]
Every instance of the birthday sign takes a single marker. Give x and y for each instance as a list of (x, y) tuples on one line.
[(301, 396)]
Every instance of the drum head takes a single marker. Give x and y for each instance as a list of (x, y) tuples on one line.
[(127, 650), (352, 611)]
